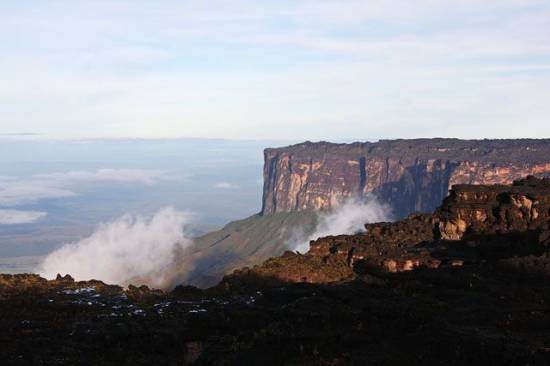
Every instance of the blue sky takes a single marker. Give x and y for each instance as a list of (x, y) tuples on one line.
[(275, 69)]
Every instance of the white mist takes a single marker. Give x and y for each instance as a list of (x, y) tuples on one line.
[(131, 248), (348, 218)]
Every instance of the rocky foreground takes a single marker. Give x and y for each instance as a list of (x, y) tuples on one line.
[(468, 284)]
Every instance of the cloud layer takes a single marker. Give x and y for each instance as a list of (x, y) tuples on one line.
[(12, 217), (19, 191), (284, 69), (226, 185)]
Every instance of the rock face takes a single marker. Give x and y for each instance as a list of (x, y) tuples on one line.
[(466, 285), (495, 209), (410, 175), (474, 223)]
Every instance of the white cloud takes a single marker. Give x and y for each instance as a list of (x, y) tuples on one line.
[(130, 250), (296, 70), (18, 191), (348, 218), (147, 177), (11, 217), (226, 185)]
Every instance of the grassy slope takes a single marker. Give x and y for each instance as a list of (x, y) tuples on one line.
[(240, 243)]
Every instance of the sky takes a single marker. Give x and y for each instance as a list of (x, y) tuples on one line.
[(315, 70)]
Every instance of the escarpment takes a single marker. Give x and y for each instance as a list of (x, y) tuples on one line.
[(470, 281), (473, 224), (410, 175)]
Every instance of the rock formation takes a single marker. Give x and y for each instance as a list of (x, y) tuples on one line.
[(495, 209), (465, 285), (410, 175), (475, 222)]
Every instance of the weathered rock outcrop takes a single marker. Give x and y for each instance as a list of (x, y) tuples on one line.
[(465, 285), (476, 222), (497, 209), (410, 175)]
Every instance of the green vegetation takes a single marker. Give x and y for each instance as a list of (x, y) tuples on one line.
[(241, 243)]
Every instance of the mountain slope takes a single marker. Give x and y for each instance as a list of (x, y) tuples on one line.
[(240, 243), (466, 285), (299, 180)]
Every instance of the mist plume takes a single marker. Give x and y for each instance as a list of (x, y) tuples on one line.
[(130, 249), (348, 218)]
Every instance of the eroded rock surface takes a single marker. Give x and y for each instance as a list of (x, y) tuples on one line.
[(475, 222), (410, 175), (429, 289), (495, 209)]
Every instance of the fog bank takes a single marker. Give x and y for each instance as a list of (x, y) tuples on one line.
[(131, 249)]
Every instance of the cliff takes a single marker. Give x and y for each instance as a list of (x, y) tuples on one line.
[(410, 175), (465, 285), (474, 223)]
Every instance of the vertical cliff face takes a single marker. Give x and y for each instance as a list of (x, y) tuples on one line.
[(409, 175)]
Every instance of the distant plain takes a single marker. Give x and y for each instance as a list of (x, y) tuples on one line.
[(216, 180)]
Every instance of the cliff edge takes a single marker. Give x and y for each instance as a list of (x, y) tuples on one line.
[(410, 175), (466, 285), (474, 224)]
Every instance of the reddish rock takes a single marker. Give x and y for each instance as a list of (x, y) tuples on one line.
[(410, 175), (495, 209), (398, 294), (474, 223)]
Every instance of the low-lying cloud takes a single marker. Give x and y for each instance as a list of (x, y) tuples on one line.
[(12, 217), (131, 249), (18, 191), (226, 185), (143, 176), (348, 218)]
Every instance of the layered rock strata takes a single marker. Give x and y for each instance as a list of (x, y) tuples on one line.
[(476, 222), (410, 175), (470, 281)]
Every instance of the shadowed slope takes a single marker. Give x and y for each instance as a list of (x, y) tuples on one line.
[(466, 285), (238, 244)]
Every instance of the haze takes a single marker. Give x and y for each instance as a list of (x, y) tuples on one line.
[(52, 193), (286, 70)]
